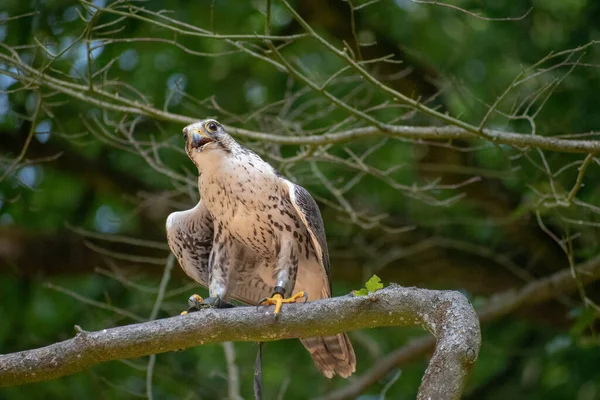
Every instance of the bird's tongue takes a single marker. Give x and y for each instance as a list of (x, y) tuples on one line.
[(204, 141), (199, 141)]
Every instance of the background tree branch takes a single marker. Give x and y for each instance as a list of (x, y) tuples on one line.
[(447, 315), (95, 96)]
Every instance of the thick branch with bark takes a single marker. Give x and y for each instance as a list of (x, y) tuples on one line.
[(448, 315), (499, 306)]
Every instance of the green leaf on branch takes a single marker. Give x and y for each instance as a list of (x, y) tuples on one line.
[(372, 285)]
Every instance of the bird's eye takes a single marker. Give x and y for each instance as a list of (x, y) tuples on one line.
[(212, 126)]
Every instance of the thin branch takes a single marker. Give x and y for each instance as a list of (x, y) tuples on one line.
[(113, 102), (399, 97), (118, 238), (162, 287), (257, 381), (124, 256), (471, 13), (428, 133), (95, 303), (21, 155), (233, 374), (579, 182), (194, 30), (389, 385), (448, 315)]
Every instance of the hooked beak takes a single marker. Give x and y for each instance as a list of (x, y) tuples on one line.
[(199, 140)]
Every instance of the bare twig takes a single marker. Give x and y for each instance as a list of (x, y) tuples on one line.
[(578, 183), (471, 13), (109, 101), (233, 374), (14, 164), (118, 238), (257, 381), (162, 287), (95, 303)]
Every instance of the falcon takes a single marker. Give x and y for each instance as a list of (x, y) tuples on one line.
[(255, 237)]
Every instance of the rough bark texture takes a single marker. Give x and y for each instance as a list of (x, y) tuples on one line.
[(447, 315), (499, 306)]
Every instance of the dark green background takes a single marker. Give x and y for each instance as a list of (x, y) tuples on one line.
[(486, 241)]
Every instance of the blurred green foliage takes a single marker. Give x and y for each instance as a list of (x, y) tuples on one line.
[(462, 237)]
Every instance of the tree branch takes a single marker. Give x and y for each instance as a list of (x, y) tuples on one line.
[(448, 315), (499, 306), (429, 133), (112, 102)]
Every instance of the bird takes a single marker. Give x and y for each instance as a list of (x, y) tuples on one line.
[(254, 236)]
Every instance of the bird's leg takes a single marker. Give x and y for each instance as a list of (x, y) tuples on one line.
[(287, 267), (278, 300), (218, 280)]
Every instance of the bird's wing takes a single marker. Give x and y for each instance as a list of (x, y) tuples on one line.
[(332, 354), (190, 237), (308, 211)]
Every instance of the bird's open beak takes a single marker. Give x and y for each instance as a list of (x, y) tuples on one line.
[(200, 140)]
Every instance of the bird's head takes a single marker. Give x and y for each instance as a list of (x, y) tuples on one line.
[(206, 137)]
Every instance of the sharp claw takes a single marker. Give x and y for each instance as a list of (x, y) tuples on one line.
[(277, 300), (260, 302)]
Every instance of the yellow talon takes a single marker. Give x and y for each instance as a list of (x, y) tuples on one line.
[(195, 299), (193, 302), (278, 301)]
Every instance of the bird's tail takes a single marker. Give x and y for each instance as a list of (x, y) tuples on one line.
[(332, 354)]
